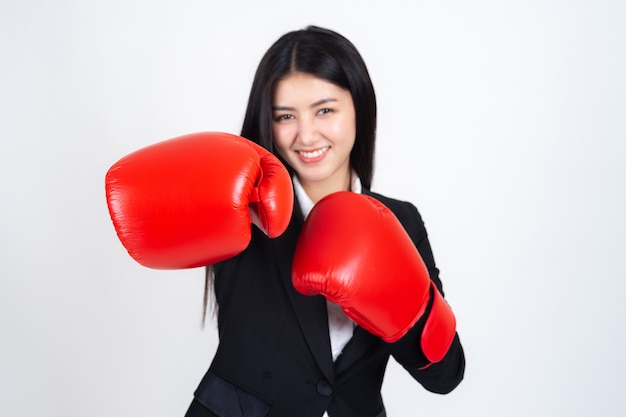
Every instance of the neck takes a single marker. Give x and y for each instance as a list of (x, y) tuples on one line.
[(316, 190)]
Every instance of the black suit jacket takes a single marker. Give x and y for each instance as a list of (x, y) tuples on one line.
[(274, 357)]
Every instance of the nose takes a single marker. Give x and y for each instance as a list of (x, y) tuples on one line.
[(307, 131)]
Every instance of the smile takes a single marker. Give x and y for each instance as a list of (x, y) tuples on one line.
[(314, 154)]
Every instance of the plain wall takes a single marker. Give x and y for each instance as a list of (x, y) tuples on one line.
[(503, 121)]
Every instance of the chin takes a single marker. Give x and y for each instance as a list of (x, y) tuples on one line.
[(309, 175)]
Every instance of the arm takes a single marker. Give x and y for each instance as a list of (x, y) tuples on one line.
[(355, 252), (443, 376)]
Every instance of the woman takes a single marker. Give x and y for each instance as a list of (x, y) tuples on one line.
[(282, 353)]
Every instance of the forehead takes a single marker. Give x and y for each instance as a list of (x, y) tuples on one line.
[(303, 87)]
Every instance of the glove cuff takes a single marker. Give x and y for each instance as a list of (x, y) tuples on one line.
[(431, 336)]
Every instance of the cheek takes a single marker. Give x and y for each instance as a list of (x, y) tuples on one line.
[(282, 138), (345, 130)]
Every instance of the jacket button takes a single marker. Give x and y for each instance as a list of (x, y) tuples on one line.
[(324, 388)]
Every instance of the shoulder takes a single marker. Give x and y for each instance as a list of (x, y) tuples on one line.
[(412, 222), (408, 215), (405, 211)]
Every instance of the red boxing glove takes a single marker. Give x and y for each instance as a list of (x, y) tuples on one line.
[(190, 201), (354, 251)]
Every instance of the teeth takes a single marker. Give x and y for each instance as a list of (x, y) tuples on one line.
[(313, 154)]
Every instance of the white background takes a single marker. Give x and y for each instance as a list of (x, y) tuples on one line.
[(503, 121)]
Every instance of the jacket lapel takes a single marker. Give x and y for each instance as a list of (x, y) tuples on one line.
[(310, 311), (361, 343)]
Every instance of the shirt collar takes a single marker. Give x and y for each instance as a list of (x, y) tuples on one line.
[(305, 201)]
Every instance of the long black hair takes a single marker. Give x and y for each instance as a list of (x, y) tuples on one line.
[(327, 55)]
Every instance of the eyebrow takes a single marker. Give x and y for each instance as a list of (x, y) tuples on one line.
[(317, 103)]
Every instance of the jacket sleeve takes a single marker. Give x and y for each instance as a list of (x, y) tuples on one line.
[(441, 377)]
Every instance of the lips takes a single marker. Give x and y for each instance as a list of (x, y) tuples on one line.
[(313, 155)]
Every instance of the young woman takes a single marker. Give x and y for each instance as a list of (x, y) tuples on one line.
[(333, 281), (282, 353)]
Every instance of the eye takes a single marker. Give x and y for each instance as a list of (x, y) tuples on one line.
[(283, 117), (324, 111)]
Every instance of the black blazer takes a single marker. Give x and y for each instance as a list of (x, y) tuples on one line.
[(274, 358)]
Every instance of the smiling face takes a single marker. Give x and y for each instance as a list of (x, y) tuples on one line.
[(314, 128)]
